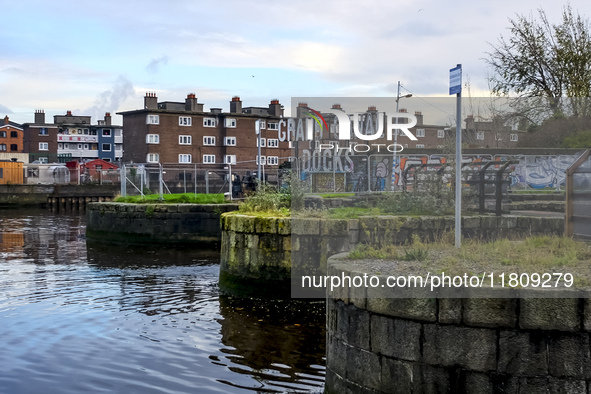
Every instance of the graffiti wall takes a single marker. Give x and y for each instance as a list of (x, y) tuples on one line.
[(359, 173)]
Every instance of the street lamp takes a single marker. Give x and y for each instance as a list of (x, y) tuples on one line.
[(398, 97)]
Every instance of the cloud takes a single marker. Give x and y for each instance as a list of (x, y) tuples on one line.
[(110, 100), (155, 64), (5, 110)]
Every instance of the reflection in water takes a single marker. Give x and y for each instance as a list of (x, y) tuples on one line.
[(94, 318)]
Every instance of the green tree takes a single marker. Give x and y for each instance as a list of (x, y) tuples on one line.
[(551, 62)]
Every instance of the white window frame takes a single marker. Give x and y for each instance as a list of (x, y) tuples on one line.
[(152, 119), (152, 138), (263, 142), (43, 146), (263, 160), (272, 160), (185, 121), (420, 133), (262, 124), (103, 147), (480, 135), (273, 126), (185, 140), (209, 122), (80, 146), (185, 158), (440, 133), (230, 159), (152, 158), (514, 137), (273, 143), (60, 145), (208, 140), (420, 145), (208, 159), (229, 141), (108, 131), (230, 122)]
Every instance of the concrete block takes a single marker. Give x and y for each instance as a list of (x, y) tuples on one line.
[(423, 309), (470, 348), (362, 368), (522, 353), (396, 376), (570, 356), (396, 338), (305, 226), (549, 314), (450, 310), (490, 312)]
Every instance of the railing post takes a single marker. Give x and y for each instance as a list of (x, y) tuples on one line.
[(123, 181)]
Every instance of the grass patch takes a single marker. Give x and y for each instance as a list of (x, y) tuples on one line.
[(538, 254), (336, 195), (182, 198)]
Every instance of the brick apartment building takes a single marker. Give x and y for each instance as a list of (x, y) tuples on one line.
[(72, 137), (183, 133), (489, 134), (11, 136)]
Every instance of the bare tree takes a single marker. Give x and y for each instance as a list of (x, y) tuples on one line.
[(549, 62)]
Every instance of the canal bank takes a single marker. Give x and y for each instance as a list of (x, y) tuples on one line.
[(58, 197)]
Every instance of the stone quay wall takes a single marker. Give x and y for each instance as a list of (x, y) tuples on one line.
[(257, 252), (444, 345), (156, 223)]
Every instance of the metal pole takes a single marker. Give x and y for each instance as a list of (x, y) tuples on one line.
[(185, 180), (230, 179), (395, 142), (206, 181), (195, 180), (258, 131), (123, 180), (458, 218), (160, 181)]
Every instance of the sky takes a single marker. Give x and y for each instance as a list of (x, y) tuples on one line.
[(93, 57)]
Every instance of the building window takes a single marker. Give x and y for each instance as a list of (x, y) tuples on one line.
[(263, 160), (152, 157), (42, 146), (440, 146), (14, 134), (43, 160), (208, 122), (263, 124), (185, 139), (513, 137), (3, 134), (420, 145), (208, 140), (273, 126), (153, 119), (230, 141), (208, 159), (43, 131), (106, 147), (60, 146), (184, 121), (13, 147), (420, 133), (80, 146), (32, 172), (230, 122), (85, 131), (79, 131), (230, 159), (440, 133), (152, 139), (272, 160), (263, 142), (85, 146), (273, 143), (106, 132), (184, 158), (480, 135), (498, 137), (3, 147)]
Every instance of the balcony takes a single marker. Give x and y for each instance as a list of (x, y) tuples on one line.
[(76, 138), (83, 153), (118, 139)]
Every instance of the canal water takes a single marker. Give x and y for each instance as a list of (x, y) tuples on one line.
[(90, 318)]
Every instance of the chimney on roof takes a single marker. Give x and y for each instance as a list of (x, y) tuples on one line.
[(302, 109), (108, 118), (275, 108), (337, 106), (419, 116), (236, 105), (191, 103), (150, 101), (371, 108), (403, 110), (6, 120), (68, 113), (470, 123), (39, 116)]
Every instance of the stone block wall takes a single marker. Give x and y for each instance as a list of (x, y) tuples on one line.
[(442, 345), (156, 223)]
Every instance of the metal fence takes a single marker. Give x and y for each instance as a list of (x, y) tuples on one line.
[(578, 197)]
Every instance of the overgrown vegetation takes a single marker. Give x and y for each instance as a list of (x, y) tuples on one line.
[(268, 200), (528, 255), (182, 198)]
